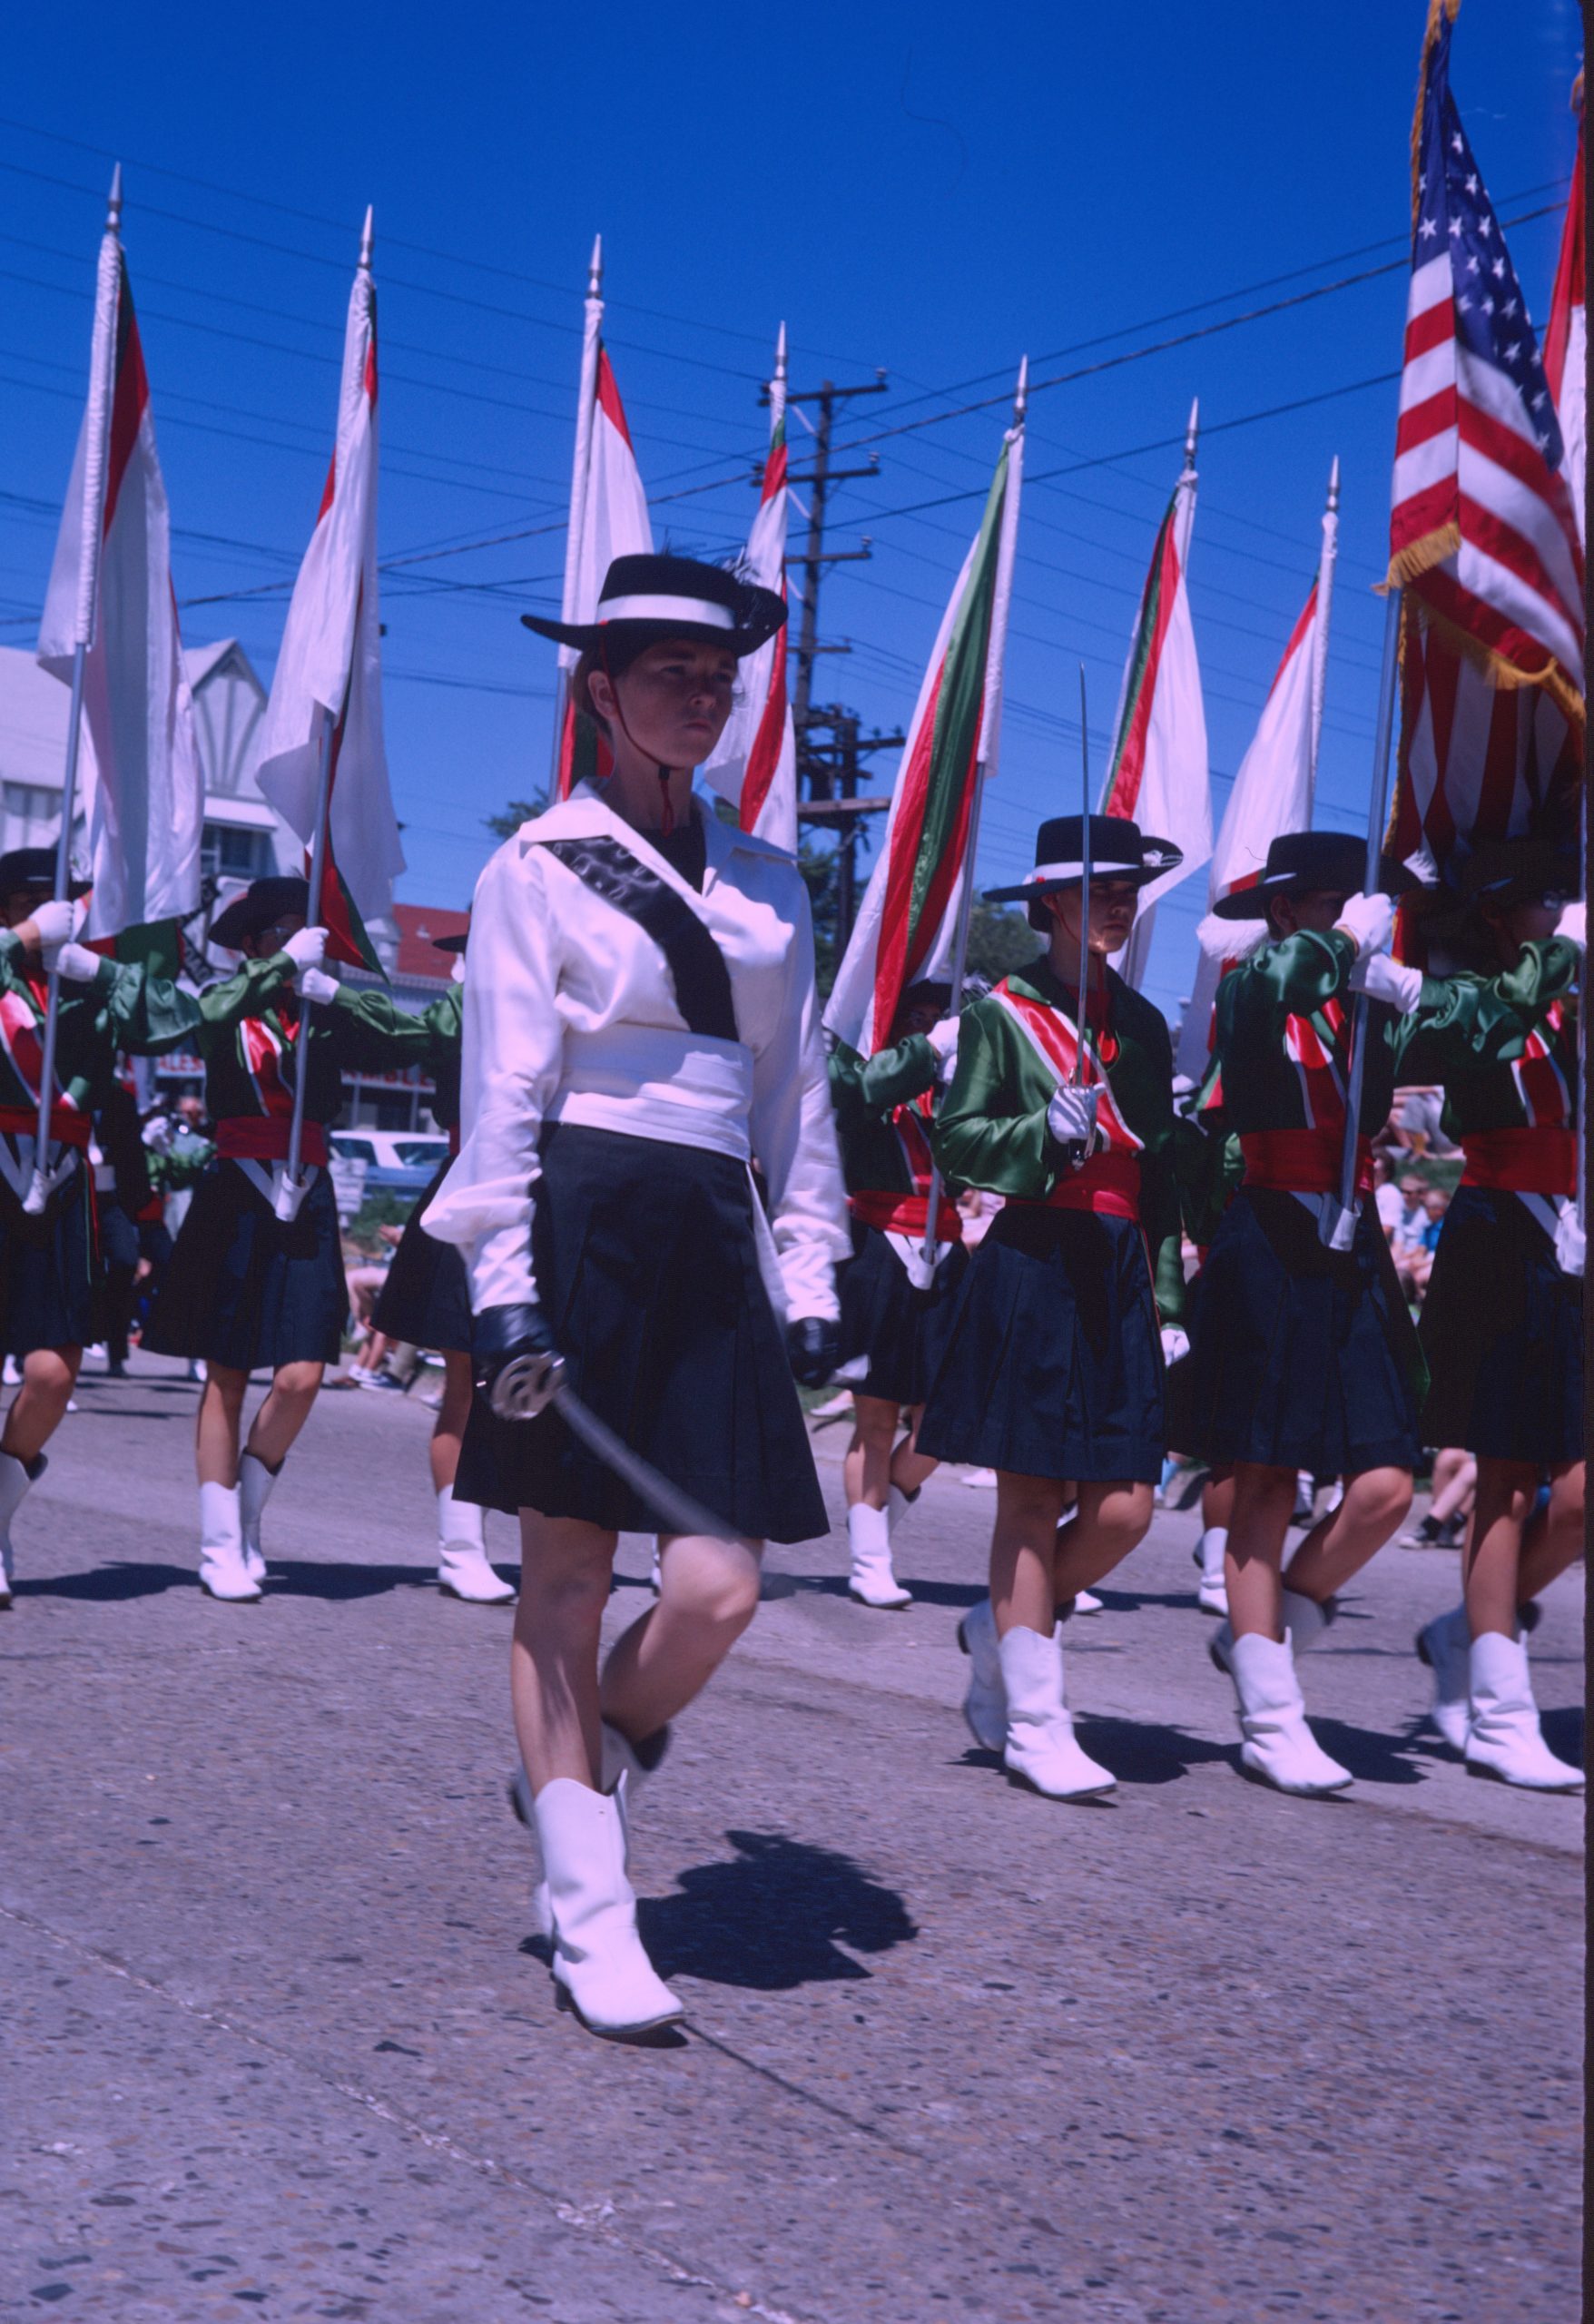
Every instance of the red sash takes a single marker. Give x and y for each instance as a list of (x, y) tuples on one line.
[(1320, 1066), (263, 1048), (1302, 1161), (258, 1137), (1522, 1161), (1108, 1183), (905, 1213), (1541, 1080), (1056, 1041), (66, 1124)]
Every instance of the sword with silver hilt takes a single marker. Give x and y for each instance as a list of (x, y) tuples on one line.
[(1079, 1152), (528, 1384)]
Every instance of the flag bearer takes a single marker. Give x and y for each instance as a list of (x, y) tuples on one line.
[(1503, 1321), (1072, 1302), (426, 1300), (52, 1276), (640, 1022), (1303, 1357), (246, 1290), (894, 1308)]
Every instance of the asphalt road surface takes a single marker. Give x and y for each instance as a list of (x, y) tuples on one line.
[(279, 2040)]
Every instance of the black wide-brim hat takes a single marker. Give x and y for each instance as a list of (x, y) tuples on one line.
[(1119, 851), (25, 868), (456, 943), (1517, 870), (647, 598), (1303, 864), (261, 903)]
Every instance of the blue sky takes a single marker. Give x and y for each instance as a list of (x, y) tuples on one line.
[(911, 187)]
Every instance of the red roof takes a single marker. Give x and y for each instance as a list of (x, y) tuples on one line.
[(419, 926)]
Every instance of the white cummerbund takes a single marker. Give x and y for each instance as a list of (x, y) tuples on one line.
[(645, 1082)]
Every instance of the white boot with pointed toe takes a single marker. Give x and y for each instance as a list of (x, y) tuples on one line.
[(1445, 1646), (1211, 1593), (1503, 1738), (1040, 1745), (871, 1580), (1277, 1747), (1305, 1620), (16, 1477), (256, 1484), (222, 1571), (985, 1706), (599, 1966), (463, 1570)]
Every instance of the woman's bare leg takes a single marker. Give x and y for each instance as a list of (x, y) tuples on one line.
[(287, 1407), (1023, 1552), (708, 1595), (449, 1428), (1110, 1520), (564, 1573), (908, 1466), (39, 1405), (1339, 1545), (866, 1467), (1264, 1499), (218, 1425), (1554, 1537)]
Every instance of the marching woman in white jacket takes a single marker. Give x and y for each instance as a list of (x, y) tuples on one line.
[(641, 1032)]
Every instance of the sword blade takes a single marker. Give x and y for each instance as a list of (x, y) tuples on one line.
[(677, 1510), (1084, 886)]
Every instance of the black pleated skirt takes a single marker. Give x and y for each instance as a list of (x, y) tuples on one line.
[(648, 1272), (245, 1290), (1302, 1357), (426, 1298), (1053, 1366), (1503, 1330), (51, 1276), (900, 1332)]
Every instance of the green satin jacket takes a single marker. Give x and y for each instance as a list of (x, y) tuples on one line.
[(865, 1092)]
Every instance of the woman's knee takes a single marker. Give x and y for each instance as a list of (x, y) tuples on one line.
[(1123, 1512), (50, 1371), (1380, 1496), (718, 1592), (874, 1423), (297, 1382), (1567, 1498)]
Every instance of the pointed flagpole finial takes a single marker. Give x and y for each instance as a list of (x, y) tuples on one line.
[(1021, 392), (781, 355), (595, 269), (113, 208), (1191, 431), (367, 236), (1333, 486)]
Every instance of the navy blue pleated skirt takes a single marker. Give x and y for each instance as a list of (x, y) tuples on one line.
[(1503, 1330), (648, 1272), (1302, 1357), (51, 1277), (1053, 1366), (244, 1289), (426, 1298), (900, 1332)]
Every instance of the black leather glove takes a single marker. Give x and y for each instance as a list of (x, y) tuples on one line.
[(499, 1335), (813, 1348)]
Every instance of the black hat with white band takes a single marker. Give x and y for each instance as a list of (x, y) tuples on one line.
[(649, 598), (1305, 863), (260, 905), (1119, 852), (31, 871)]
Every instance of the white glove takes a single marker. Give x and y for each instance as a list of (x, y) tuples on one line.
[(1573, 924), (308, 950), (1568, 1241), (1175, 1343), (314, 984), (943, 1038), (77, 964), (1071, 1118), (159, 1135), (1382, 978), (57, 923), (1371, 920)]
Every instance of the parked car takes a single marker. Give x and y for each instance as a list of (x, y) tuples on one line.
[(397, 1161)]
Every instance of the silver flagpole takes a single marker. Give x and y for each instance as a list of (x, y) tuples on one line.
[(996, 656), (591, 330), (1338, 1223), (1085, 885)]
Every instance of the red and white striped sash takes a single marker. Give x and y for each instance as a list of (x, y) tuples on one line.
[(25, 1051), (1319, 1065), (264, 1046), (1543, 1083), (1054, 1040), (907, 1121)]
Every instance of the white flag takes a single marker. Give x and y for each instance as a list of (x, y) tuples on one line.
[(754, 766)]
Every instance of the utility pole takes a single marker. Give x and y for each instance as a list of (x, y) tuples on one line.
[(831, 749)]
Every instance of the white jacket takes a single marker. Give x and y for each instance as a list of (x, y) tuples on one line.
[(570, 1016)]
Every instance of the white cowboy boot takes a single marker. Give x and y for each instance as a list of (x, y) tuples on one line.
[(985, 1706), (1445, 1646), (626, 1767), (1211, 1593), (1305, 1619), (1040, 1745), (222, 1571), (1503, 1739), (463, 1570), (871, 1580), (255, 1485), (16, 1477), (600, 1968), (1278, 1746)]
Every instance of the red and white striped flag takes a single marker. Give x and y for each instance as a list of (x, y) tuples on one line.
[(329, 673), (608, 518), (755, 764), (1566, 335), (905, 929), (1273, 794), (111, 585)]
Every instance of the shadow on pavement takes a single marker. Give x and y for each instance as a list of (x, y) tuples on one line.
[(1372, 1758), (108, 1585), (960, 1594), (300, 1578)]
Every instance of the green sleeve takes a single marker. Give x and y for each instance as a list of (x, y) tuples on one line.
[(373, 1034), (1466, 1022), (1299, 974), (147, 1014), (250, 988), (988, 1132), (894, 1076)]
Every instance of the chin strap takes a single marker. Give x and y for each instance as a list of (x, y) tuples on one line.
[(665, 772)]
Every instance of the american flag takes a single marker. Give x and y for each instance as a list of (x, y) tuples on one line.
[(1483, 529)]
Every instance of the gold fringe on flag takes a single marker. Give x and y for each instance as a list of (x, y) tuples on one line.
[(1502, 673), (1438, 11)]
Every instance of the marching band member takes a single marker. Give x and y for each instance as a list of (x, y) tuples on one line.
[(51, 1275), (640, 1026), (894, 1309), (426, 1300), (1303, 1357), (1503, 1321), (245, 1289), (1056, 1343)]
